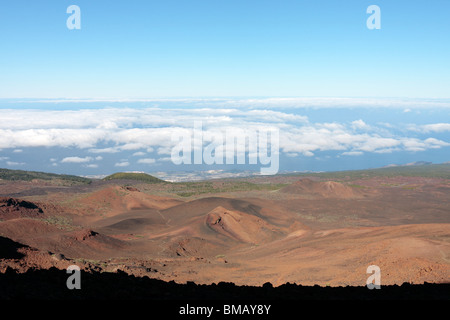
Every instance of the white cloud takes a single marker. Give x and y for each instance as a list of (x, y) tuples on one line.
[(122, 164), (436, 127), (105, 150), (374, 143), (146, 161), (108, 124), (13, 163), (299, 102), (165, 159), (109, 130), (359, 124), (92, 165), (432, 127), (292, 154), (139, 154), (387, 150), (80, 138), (318, 102), (76, 160), (435, 143), (133, 146), (353, 153)]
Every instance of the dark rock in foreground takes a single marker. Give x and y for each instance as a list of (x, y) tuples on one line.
[(51, 285)]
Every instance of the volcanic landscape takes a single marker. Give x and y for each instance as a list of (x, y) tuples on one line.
[(306, 229)]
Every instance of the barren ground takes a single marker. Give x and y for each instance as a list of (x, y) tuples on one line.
[(304, 231)]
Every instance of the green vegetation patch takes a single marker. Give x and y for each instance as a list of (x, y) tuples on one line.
[(21, 175), (134, 176), (187, 189), (60, 222), (425, 171)]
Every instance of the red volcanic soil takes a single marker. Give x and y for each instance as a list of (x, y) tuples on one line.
[(308, 232), (11, 208), (241, 226), (317, 189), (114, 199)]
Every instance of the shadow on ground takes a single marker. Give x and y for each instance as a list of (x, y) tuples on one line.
[(9, 249), (50, 284)]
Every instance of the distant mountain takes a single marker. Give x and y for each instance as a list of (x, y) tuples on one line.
[(134, 176), (417, 170), (21, 175), (321, 189), (416, 163)]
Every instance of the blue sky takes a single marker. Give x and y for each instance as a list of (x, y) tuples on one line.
[(108, 97), (142, 49)]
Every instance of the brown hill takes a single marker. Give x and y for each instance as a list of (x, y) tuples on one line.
[(87, 243), (212, 226), (327, 189), (196, 218), (27, 228), (11, 208), (241, 226), (113, 200), (179, 214)]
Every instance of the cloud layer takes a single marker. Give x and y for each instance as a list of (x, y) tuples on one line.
[(142, 131)]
